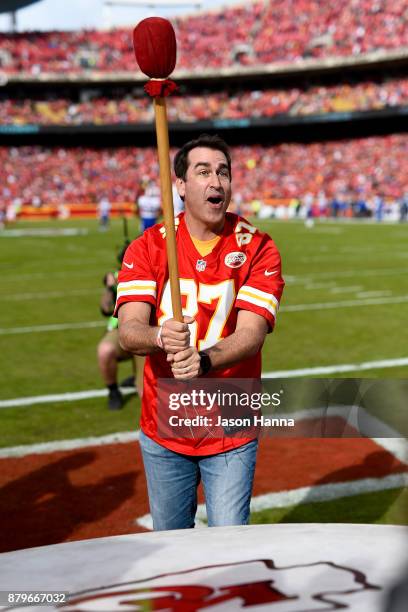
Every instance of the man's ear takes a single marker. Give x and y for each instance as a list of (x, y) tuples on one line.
[(181, 187)]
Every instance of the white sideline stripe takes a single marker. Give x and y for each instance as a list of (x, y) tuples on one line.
[(332, 369), (398, 447), (122, 437), (367, 294), (306, 278), (326, 492), (6, 331), (51, 294), (60, 397), (335, 369), (306, 495), (291, 308), (368, 424), (45, 231), (290, 279), (344, 289), (312, 286), (345, 304), (357, 417)]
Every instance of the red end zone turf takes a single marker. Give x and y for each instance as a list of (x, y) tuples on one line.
[(100, 491)]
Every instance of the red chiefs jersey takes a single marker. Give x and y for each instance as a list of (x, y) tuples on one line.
[(242, 272)]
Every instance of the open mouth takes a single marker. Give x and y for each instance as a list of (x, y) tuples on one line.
[(215, 200)]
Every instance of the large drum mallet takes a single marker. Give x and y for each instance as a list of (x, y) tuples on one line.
[(155, 47)]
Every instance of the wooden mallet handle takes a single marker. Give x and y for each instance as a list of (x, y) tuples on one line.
[(155, 47), (162, 134)]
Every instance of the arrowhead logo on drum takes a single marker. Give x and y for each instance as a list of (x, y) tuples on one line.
[(320, 586)]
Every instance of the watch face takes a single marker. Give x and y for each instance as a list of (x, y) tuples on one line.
[(205, 363)]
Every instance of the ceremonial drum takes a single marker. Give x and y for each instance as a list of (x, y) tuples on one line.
[(282, 568)]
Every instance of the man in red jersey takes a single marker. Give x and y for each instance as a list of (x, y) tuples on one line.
[(231, 285)]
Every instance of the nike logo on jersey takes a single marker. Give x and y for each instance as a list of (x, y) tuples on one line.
[(130, 266), (270, 273)]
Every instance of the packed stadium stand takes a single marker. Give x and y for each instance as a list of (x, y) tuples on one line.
[(37, 175), (53, 159), (241, 35), (222, 105)]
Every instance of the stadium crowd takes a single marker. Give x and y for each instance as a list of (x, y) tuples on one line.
[(222, 105), (247, 34), (36, 176)]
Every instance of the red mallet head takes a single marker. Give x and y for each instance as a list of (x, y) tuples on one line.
[(155, 46)]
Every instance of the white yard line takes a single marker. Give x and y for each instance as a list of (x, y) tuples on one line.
[(326, 492), (36, 329), (47, 275), (367, 294), (344, 304), (396, 446), (18, 297), (6, 331), (290, 279), (60, 397), (308, 278), (341, 289), (40, 232), (354, 416), (305, 495), (358, 249), (336, 369), (327, 285), (65, 445), (315, 371)]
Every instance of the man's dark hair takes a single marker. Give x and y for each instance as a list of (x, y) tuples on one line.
[(204, 140)]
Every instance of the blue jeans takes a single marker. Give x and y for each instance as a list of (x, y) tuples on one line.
[(147, 222), (172, 481)]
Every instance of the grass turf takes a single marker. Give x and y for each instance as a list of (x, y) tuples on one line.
[(382, 508), (66, 420), (58, 280), (49, 280)]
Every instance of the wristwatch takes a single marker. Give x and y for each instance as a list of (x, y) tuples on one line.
[(205, 363)]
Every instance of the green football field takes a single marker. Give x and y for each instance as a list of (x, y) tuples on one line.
[(345, 302)]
